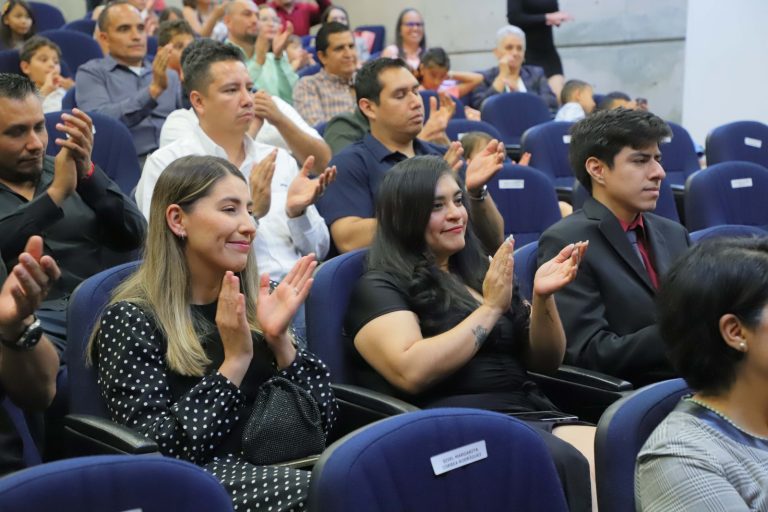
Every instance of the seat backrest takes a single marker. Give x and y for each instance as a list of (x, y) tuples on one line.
[(68, 101), (30, 450), (113, 148), (727, 193), (623, 429), (665, 205), (491, 462), (526, 200), (114, 482), (514, 112), (728, 231), (310, 70), (458, 127), (47, 16), (678, 156), (381, 35), (425, 95), (326, 307), (525, 268), (85, 26), (152, 44), (76, 47), (741, 140), (548, 145), (9, 62), (85, 308)]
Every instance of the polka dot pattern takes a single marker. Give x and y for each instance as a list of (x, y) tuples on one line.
[(134, 382)]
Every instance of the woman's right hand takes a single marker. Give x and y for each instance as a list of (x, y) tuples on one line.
[(500, 278), (232, 322)]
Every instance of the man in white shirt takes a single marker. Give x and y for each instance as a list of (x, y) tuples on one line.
[(220, 92)]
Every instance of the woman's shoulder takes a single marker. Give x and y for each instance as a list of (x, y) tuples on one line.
[(126, 312)]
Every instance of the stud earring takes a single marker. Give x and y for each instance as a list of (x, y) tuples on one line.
[(743, 346)]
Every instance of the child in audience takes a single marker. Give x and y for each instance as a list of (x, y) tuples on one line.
[(434, 74), (179, 34), (577, 100), (40, 60), (18, 24), (297, 55)]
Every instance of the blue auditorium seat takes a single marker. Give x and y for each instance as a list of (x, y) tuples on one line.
[(9, 61), (727, 193), (728, 231), (396, 464), (621, 432), (548, 144), (525, 268), (380, 33), (114, 483), (76, 48), (47, 16), (526, 200), (310, 70), (458, 127), (86, 26), (741, 140), (678, 156), (514, 112)]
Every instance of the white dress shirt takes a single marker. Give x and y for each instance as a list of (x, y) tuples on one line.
[(280, 241), (180, 123)]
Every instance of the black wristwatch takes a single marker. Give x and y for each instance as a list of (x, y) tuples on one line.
[(481, 196), (28, 339)]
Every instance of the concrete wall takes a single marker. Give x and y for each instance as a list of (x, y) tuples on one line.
[(637, 47)]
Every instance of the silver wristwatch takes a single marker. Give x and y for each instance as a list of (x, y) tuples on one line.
[(28, 339)]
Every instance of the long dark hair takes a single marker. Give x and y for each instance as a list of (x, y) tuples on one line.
[(399, 35), (403, 209), (6, 34)]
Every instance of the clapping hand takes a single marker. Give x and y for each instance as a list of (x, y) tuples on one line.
[(275, 310), (304, 191), (560, 270), (499, 280), (485, 165)]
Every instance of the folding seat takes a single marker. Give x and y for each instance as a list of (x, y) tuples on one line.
[(525, 267), (47, 16), (728, 231), (9, 61), (514, 112), (741, 140), (727, 193), (438, 459), (425, 95), (458, 127), (621, 433), (678, 157), (548, 145), (85, 26), (76, 48), (310, 70), (380, 33)]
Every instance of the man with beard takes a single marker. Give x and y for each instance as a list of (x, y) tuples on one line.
[(87, 222)]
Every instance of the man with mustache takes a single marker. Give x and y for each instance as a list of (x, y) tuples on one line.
[(608, 312)]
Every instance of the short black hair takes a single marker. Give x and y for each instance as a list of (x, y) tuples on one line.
[(33, 44), (103, 19), (170, 29), (16, 87), (197, 58), (167, 14), (570, 88), (334, 27), (609, 100), (436, 57), (367, 84), (714, 278), (605, 133)]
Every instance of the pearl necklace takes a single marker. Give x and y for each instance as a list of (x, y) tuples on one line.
[(726, 418)]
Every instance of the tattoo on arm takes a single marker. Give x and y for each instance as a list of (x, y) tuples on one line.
[(481, 333)]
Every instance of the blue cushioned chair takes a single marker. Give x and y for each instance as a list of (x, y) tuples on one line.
[(85, 26), (458, 127), (113, 148), (380, 36), (310, 70), (30, 451), (47, 16), (514, 112), (621, 432), (149, 484), (548, 145), (151, 47), (68, 101), (678, 156), (387, 466), (526, 200), (9, 61), (76, 48), (742, 140), (727, 193), (425, 95), (728, 231), (665, 205), (525, 268)]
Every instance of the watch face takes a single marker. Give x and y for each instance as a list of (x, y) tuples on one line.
[(30, 337)]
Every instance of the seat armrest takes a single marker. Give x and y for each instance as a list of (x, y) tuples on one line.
[(92, 435), (373, 400), (592, 379)]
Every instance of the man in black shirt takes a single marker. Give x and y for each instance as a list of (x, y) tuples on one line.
[(89, 225)]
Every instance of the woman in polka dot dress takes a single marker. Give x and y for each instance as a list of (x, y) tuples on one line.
[(187, 341)]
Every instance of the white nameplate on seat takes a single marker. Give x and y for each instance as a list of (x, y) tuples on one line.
[(666, 140), (511, 184), (459, 457), (755, 143), (461, 135), (566, 139), (741, 183)]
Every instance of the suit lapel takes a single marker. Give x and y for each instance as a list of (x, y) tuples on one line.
[(658, 243), (616, 237)]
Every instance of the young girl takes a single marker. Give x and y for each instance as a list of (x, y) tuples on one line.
[(18, 24)]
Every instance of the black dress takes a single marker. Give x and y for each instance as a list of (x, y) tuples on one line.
[(201, 419), (540, 49)]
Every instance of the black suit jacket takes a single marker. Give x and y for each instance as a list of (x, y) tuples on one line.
[(609, 312)]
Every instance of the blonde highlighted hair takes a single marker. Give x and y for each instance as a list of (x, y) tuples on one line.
[(162, 284)]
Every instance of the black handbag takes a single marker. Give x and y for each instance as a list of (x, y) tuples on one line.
[(285, 424)]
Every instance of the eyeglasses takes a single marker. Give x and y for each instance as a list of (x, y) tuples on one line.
[(414, 24)]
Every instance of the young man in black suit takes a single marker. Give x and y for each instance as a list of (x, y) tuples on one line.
[(608, 312)]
